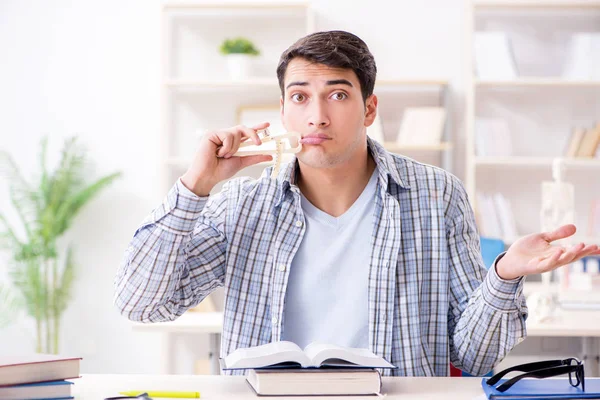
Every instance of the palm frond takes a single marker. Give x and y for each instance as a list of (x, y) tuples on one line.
[(70, 173), (66, 180), (71, 206), (27, 278), (8, 237), (44, 178), (63, 291), (24, 198)]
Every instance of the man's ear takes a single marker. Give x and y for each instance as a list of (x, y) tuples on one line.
[(370, 110)]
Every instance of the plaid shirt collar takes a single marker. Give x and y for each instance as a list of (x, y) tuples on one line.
[(385, 163)]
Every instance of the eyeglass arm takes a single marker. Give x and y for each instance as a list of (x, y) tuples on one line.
[(539, 374), (525, 368)]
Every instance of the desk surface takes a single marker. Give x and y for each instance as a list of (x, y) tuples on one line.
[(97, 387)]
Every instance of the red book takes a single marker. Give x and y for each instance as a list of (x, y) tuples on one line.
[(32, 368)]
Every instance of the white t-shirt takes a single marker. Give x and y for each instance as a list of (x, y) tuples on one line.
[(327, 292)]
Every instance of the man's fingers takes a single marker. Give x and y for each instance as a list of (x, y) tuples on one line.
[(234, 146), (571, 253), (560, 233), (247, 161), (262, 125), (227, 144), (550, 262), (251, 133)]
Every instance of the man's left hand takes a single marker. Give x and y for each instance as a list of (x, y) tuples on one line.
[(533, 254)]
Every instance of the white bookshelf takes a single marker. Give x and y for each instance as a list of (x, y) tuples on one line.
[(540, 107), (536, 82)]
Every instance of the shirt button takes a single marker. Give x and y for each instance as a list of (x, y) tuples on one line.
[(386, 265), (519, 340), (274, 320), (299, 224), (281, 267), (383, 318)]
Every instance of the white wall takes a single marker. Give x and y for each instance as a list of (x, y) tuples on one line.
[(92, 68)]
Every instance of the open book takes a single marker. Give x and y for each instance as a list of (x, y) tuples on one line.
[(288, 354)]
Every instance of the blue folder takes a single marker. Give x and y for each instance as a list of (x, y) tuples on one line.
[(548, 388)]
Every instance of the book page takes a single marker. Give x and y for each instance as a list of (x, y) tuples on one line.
[(266, 355), (328, 354)]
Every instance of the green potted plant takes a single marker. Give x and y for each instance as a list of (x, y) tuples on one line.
[(239, 53), (43, 271)]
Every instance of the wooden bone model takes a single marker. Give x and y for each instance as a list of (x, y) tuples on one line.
[(284, 143)]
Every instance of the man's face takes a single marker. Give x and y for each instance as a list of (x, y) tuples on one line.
[(326, 107)]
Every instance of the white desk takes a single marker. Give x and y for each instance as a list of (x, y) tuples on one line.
[(584, 324), (190, 322), (97, 387)]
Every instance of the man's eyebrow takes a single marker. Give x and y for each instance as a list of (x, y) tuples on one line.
[(340, 82), (329, 83)]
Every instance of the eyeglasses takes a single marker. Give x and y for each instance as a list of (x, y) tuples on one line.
[(543, 369), (142, 396)]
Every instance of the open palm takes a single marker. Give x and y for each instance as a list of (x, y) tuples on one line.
[(534, 254)]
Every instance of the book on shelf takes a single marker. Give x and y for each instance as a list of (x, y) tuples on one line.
[(594, 222), (421, 126), (583, 57), (55, 390), (495, 216), (508, 223), (315, 382), (34, 368), (492, 138), (494, 59), (284, 354), (574, 142), (589, 143)]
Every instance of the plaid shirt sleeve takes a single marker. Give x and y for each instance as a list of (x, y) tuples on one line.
[(175, 258), (487, 314)]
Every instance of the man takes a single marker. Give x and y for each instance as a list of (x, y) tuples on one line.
[(350, 244)]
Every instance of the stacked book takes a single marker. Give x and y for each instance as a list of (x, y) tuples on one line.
[(284, 369), (37, 376)]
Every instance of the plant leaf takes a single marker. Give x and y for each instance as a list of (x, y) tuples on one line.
[(62, 294), (71, 206)]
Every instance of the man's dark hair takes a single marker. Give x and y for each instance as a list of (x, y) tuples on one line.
[(336, 49)]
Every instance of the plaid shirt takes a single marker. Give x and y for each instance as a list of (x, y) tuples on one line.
[(431, 300)]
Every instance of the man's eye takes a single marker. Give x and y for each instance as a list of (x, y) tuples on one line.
[(297, 97), (339, 96)]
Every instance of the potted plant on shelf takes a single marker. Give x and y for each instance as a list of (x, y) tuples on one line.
[(42, 270), (239, 53)]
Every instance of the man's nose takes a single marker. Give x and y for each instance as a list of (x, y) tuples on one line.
[(318, 115)]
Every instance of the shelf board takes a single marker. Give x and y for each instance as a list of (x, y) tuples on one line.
[(535, 5), (226, 11), (273, 83), (516, 161), (253, 6), (393, 147), (222, 84), (411, 82), (536, 82)]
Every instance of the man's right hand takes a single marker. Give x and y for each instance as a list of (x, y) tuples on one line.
[(214, 160)]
